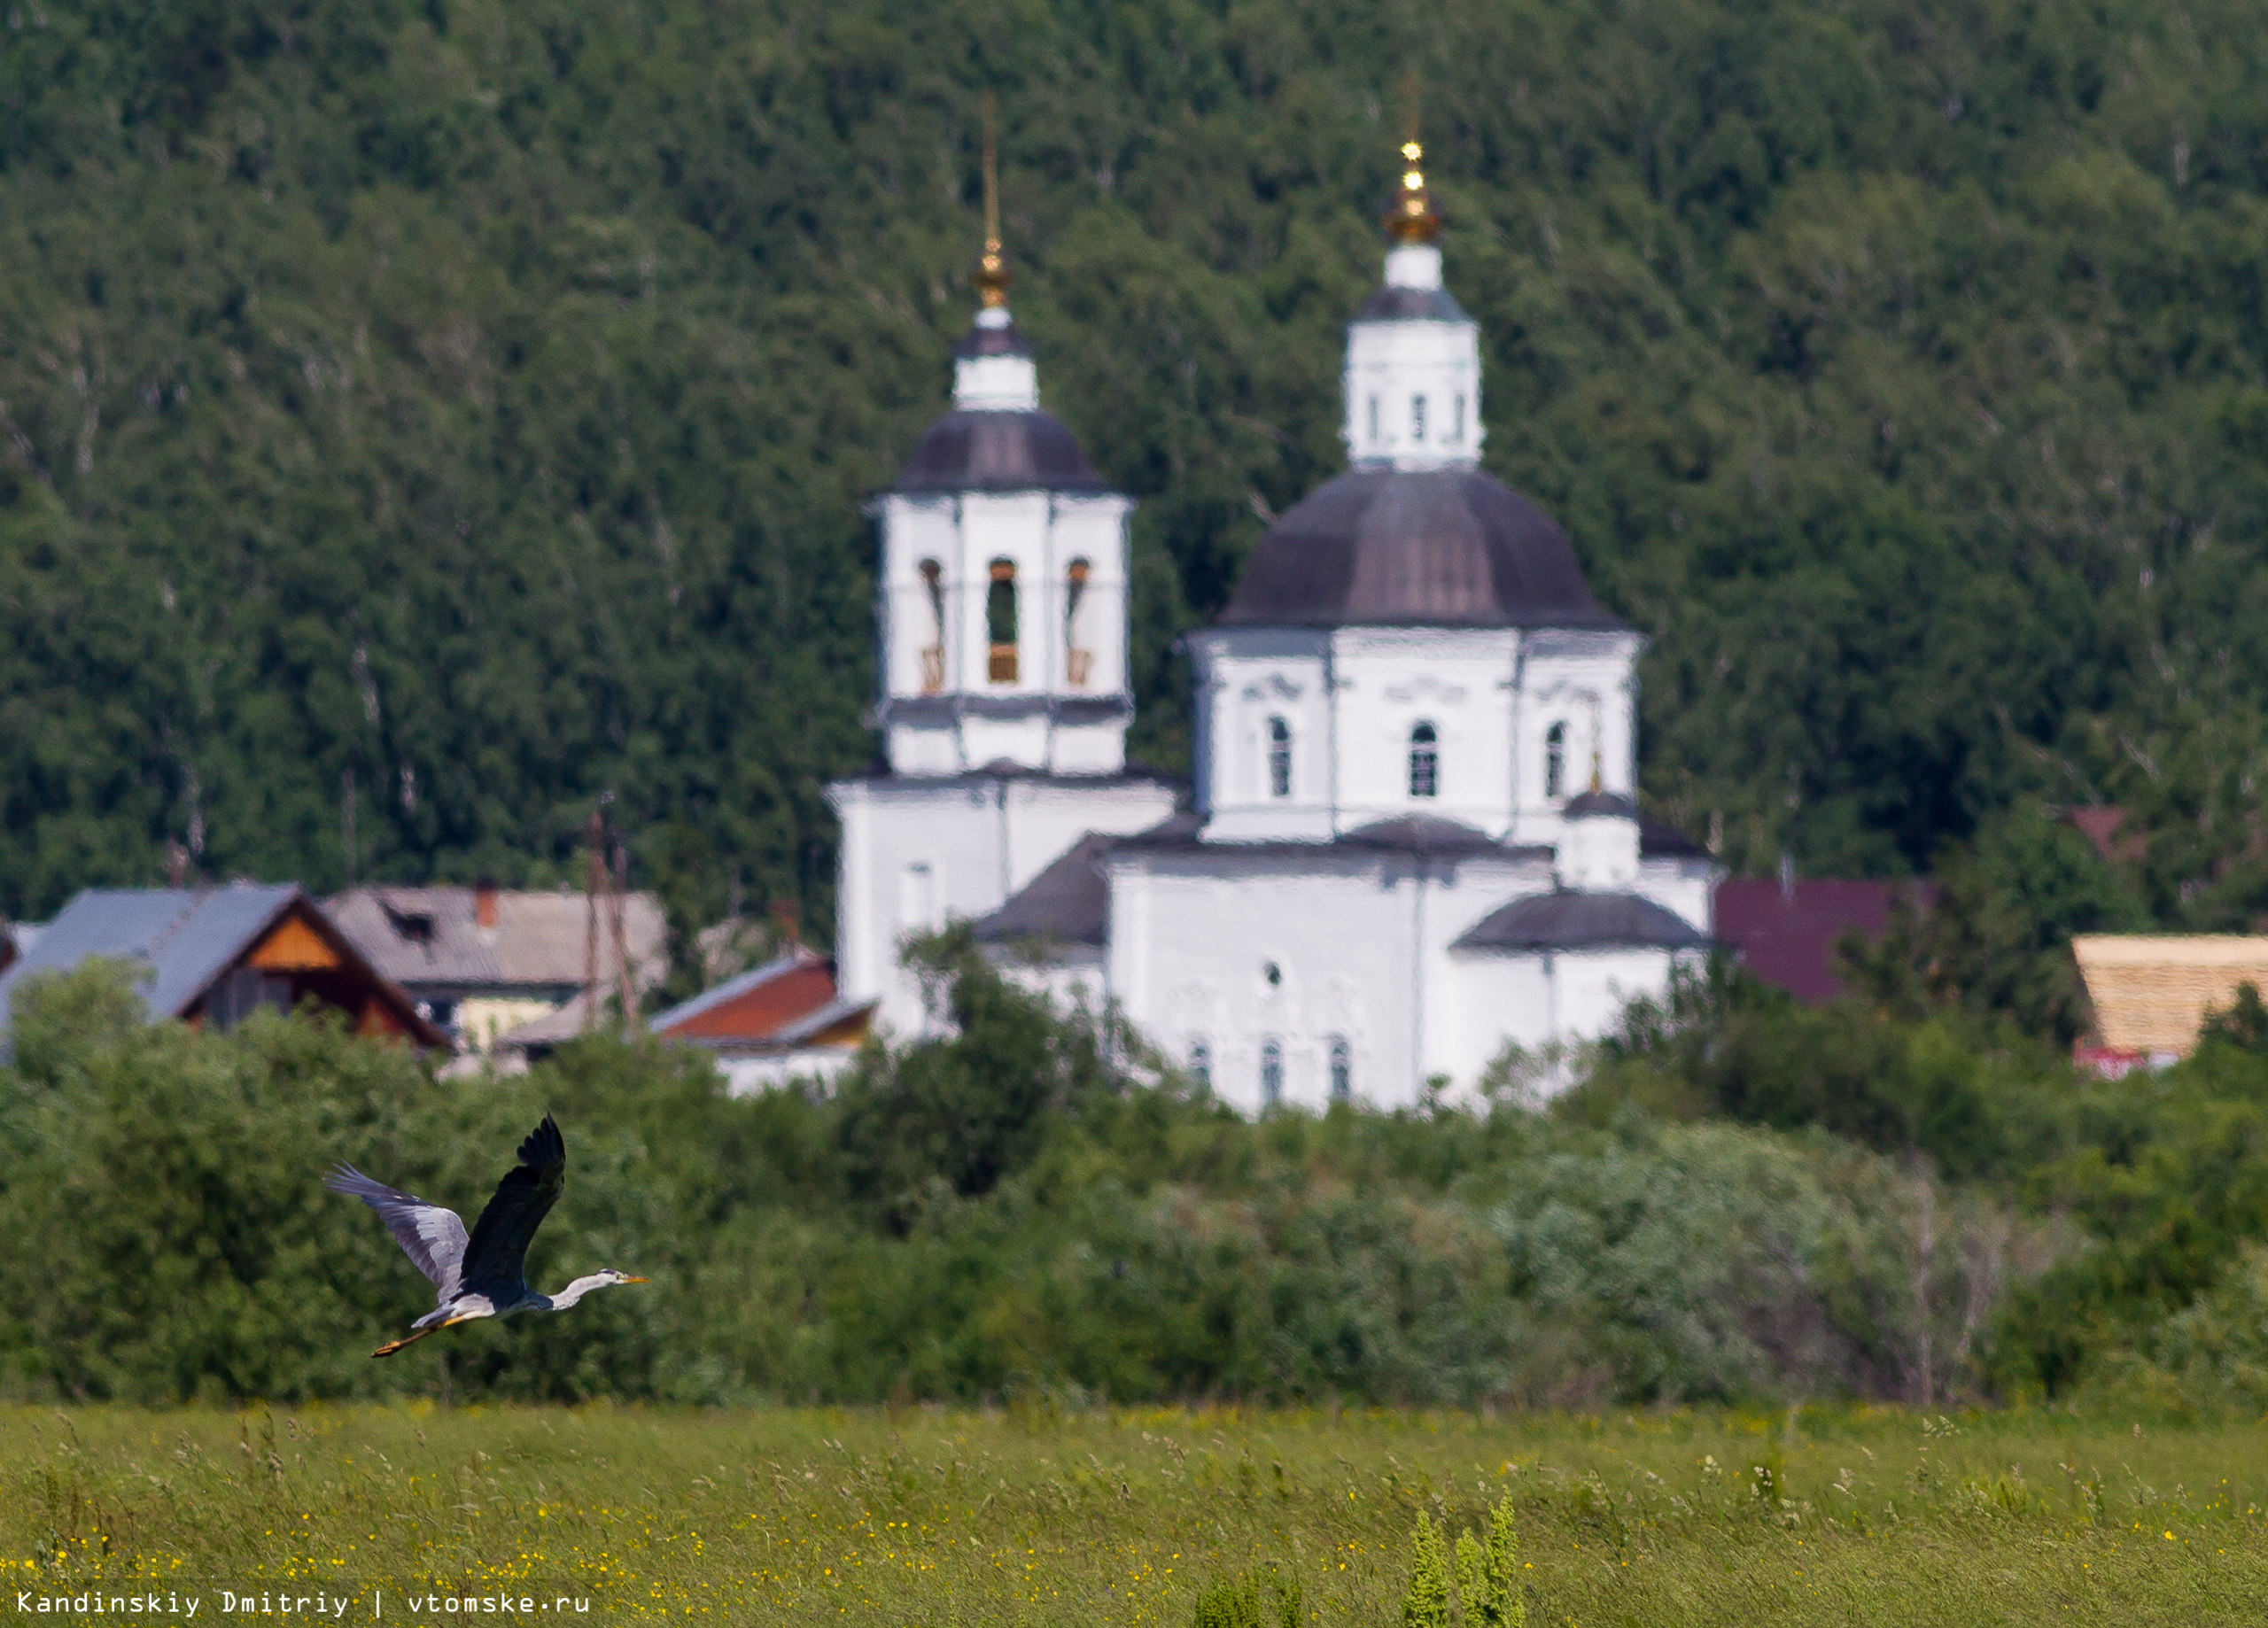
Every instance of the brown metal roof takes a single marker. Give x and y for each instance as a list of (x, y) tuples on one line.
[(1573, 920), (1414, 548), (998, 451)]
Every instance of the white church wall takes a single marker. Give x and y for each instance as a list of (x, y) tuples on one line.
[(1389, 680), (1193, 936), (917, 854), (1594, 986), (1488, 1000), (1686, 887), (1585, 683), (1247, 680), (1093, 529), (1072, 978)]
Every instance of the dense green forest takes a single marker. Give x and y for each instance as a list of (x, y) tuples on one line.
[(1743, 1200), (453, 410)]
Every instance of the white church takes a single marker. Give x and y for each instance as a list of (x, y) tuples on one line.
[(1412, 837)]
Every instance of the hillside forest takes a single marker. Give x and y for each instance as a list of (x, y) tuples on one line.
[(418, 417)]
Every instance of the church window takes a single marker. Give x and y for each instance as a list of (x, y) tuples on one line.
[(1279, 758), (1078, 663), (1555, 761), (1342, 1069), (1424, 762), (1417, 418), (1000, 622), (1271, 1073), (933, 655), (1274, 975), (1201, 1064), (1374, 418), (1456, 421)]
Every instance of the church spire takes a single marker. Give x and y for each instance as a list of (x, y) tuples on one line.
[(1413, 219), (992, 367), (992, 274)]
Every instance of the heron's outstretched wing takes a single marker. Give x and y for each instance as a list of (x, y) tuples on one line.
[(432, 1237), (499, 1250)]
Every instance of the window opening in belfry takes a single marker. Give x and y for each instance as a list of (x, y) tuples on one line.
[(933, 655), (1555, 761), (1417, 418), (1279, 758), (1079, 661), (1424, 762), (1001, 622)]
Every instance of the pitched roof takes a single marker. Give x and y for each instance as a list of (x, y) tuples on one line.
[(2150, 992), (430, 936), (1787, 936), (788, 1001), (186, 937), (1449, 547), (1571, 920), (1068, 903)]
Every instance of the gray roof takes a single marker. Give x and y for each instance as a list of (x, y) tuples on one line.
[(429, 938), (1612, 804), (1569, 920), (1391, 303), (185, 937), (1414, 548), (998, 451), (1425, 835), (1069, 903), (1657, 841)]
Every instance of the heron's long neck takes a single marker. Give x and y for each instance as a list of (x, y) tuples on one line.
[(575, 1291)]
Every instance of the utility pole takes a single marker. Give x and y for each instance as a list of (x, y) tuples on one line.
[(621, 939), (595, 879)]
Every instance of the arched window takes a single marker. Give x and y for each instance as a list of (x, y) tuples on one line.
[(1374, 418), (1271, 1073), (1417, 418), (1424, 762), (1555, 761), (933, 655), (1279, 758), (1456, 422), (1201, 1064), (1000, 622), (1342, 1069), (1078, 663)]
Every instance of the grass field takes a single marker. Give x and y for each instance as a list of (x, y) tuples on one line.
[(1094, 1518)]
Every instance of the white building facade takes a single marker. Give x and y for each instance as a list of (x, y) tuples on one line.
[(1413, 839), (1004, 703)]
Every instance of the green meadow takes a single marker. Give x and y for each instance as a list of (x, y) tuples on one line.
[(1039, 1516)]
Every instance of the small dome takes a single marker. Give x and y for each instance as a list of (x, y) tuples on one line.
[(1414, 548), (998, 451)]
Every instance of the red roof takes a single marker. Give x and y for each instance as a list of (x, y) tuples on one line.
[(772, 998), (1788, 938)]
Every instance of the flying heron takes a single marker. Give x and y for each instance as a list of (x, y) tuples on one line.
[(486, 1275)]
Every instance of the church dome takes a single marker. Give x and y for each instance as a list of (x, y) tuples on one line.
[(1414, 548), (998, 451)]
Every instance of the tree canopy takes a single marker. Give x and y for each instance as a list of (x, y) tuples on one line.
[(451, 411)]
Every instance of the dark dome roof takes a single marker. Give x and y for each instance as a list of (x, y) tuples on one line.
[(1423, 547), (1393, 303), (1582, 921), (998, 451)]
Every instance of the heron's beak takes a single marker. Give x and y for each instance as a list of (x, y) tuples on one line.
[(637, 1280)]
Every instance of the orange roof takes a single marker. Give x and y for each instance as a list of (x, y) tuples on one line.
[(761, 1009)]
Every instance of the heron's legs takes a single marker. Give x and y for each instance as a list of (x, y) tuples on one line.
[(391, 1346)]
